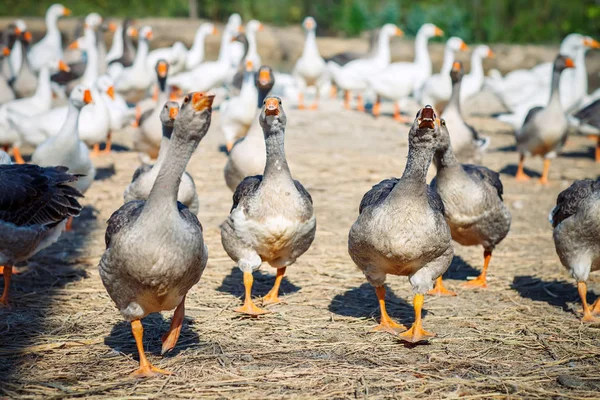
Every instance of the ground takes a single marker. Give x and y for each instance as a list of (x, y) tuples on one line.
[(521, 337)]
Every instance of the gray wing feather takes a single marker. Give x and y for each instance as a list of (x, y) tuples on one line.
[(125, 215), (570, 199), (142, 169), (377, 194), (531, 114), (487, 175), (303, 191), (246, 187)]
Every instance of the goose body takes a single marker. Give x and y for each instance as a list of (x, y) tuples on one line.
[(122, 51), (50, 47), (6, 91), (196, 53), (473, 81), (26, 81), (133, 82), (310, 69)]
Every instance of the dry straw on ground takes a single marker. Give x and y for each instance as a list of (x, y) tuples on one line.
[(521, 337)]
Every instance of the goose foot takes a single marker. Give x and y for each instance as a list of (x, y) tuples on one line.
[(416, 333), (359, 103), (146, 369), (386, 324), (149, 371), (479, 282), (522, 177), (314, 106), (95, 150), (249, 307), (17, 155), (273, 296), (108, 144), (440, 290), (377, 108), (595, 307), (398, 116), (169, 339), (301, 101), (588, 312)]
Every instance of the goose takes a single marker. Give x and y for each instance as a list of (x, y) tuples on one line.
[(17, 32), (145, 176), (473, 205), (399, 80), (6, 91), (473, 81), (50, 47), (252, 27), (122, 50), (238, 77), (155, 251), (66, 149), (438, 87), (310, 68), (134, 81), (175, 55), (272, 216), (401, 229), (587, 121), (4, 158), (247, 157), (101, 45), (211, 74), (545, 130), (235, 51), (355, 74), (196, 53), (238, 112), (35, 203), (576, 224), (25, 81), (466, 141), (149, 134), (120, 114)]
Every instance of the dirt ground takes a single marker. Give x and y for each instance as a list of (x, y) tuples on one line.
[(63, 336)]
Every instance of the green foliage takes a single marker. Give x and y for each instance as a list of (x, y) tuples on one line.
[(511, 21)]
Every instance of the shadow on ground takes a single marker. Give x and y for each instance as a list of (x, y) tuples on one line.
[(555, 293), (511, 170), (460, 269), (263, 282)]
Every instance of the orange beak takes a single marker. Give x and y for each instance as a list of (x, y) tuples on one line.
[(309, 25), (66, 12), (248, 65), (149, 35), (173, 112), (27, 36), (456, 66), (464, 47), (5, 51), (87, 96), (202, 101), (491, 54), (399, 32), (215, 31), (264, 77), (85, 25), (569, 63), (162, 69), (133, 32), (271, 106), (438, 32), (589, 42), (63, 67), (261, 27), (175, 93), (241, 29), (111, 92), (74, 45), (112, 27), (17, 31)]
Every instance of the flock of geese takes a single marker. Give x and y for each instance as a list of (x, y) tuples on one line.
[(155, 252)]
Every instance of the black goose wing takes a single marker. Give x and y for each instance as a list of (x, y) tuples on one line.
[(189, 216), (142, 169), (377, 194), (32, 195), (125, 215), (486, 175), (434, 200), (303, 191), (248, 186), (531, 114), (570, 199), (76, 71), (145, 115), (590, 114)]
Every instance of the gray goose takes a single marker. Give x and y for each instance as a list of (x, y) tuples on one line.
[(145, 176), (272, 217), (401, 229), (576, 223), (473, 205), (544, 131), (155, 250), (35, 203)]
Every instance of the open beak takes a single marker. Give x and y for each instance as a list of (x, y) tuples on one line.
[(112, 27), (162, 69), (215, 31), (87, 96), (5, 51), (264, 77), (491, 54), (66, 12), (111, 92), (202, 101), (74, 45), (589, 42), (464, 47), (63, 67), (438, 32), (272, 107), (427, 118), (173, 112), (569, 63), (399, 32)]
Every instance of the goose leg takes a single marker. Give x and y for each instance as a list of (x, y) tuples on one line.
[(416, 333), (301, 101), (587, 312), (17, 155), (96, 150), (69, 226), (13, 270), (273, 296), (347, 99), (146, 369), (521, 175), (108, 143), (138, 115), (387, 324), (440, 290), (597, 154), (397, 116), (544, 178), (377, 107), (315, 103), (169, 339), (249, 307), (7, 275), (595, 306), (480, 281), (359, 103), (333, 91)]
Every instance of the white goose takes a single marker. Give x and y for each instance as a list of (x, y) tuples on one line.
[(134, 82), (196, 53), (438, 87), (50, 47), (12, 65), (310, 69), (176, 56), (473, 81), (252, 28), (6, 92), (355, 74), (399, 80), (235, 50)]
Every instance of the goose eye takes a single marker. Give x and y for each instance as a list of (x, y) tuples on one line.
[(279, 102), (187, 99)]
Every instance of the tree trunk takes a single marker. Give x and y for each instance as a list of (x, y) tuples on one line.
[(193, 6)]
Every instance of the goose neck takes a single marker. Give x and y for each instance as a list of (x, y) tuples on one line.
[(310, 44), (445, 158), (448, 61), (225, 45), (91, 70), (555, 89), (421, 52), (454, 102), (251, 35), (116, 48), (43, 90), (142, 53), (420, 155), (476, 65), (68, 135), (276, 165), (383, 49), (51, 26)]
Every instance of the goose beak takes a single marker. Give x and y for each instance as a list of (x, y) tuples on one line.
[(63, 67), (234, 39), (17, 31), (569, 63), (173, 112), (162, 69), (175, 93), (132, 32), (248, 65), (149, 35), (74, 45), (111, 92), (264, 77), (491, 54), (399, 32), (215, 31), (5, 51), (240, 29), (272, 106), (27, 36), (66, 12), (427, 118), (309, 25), (456, 66), (112, 27), (261, 27), (589, 42), (202, 101), (438, 32), (464, 47), (87, 96)]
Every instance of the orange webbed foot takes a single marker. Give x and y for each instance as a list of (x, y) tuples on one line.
[(479, 282), (416, 334), (389, 326), (149, 371), (271, 298)]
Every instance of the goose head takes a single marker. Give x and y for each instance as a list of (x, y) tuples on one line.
[(55, 65), (562, 62), (254, 26), (86, 42), (389, 30), (443, 139), (264, 81), (194, 116), (131, 32), (107, 27), (93, 21), (456, 44), (56, 11), (309, 24), (457, 72), (483, 51), (105, 84), (162, 70), (234, 24), (80, 96), (240, 37), (430, 30), (272, 114), (145, 33), (167, 117), (424, 131), (206, 29), (5, 51), (19, 27), (574, 43)]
